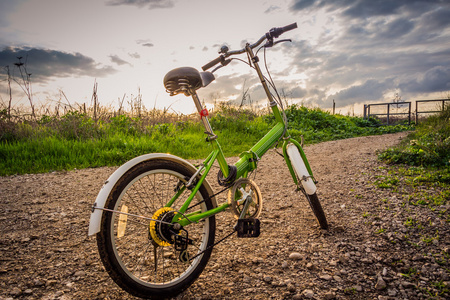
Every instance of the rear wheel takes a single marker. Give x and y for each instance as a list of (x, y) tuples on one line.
[(139, 254)]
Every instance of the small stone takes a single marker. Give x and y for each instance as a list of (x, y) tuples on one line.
[(358, 288), (267, 279), (329, 295), (28, 292), (309, 266), (79, 274), (326, 277), (337, 278), (308, 294), (381, 284), (291, 288), (38, 282), (295, 256), (392, 292), (15, 291)]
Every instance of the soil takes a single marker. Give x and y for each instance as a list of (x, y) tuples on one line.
[(367, 253)]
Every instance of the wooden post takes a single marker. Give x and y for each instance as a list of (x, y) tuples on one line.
[(409, 113), (417, 113), (388, 113)]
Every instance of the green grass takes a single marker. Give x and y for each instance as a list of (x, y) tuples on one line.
[(76, 140), (419, 168)]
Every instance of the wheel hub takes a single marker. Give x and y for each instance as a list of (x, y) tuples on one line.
[(161, 233)]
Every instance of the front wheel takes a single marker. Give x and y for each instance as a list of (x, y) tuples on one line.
[(139, 254), (314, 202)]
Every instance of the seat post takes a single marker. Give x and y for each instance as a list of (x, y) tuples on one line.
[(203, 115)]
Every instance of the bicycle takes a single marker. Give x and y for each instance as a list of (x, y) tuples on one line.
[(155, 216)]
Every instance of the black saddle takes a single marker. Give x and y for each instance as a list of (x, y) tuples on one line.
[(186, 80)]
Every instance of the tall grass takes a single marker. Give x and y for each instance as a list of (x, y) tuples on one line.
[(77, 139)]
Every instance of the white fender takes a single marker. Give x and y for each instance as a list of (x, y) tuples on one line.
[(300, 169), (96, 215)]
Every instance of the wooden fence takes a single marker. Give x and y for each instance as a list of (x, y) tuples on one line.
[(390, 115)]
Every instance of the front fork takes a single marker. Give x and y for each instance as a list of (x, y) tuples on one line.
[(298, 166)]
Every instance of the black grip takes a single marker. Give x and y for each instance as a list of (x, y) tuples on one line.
[(277, 31), (213, 63), (289, 27)]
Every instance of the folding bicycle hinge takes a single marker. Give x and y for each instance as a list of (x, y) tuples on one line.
[(248, 228)]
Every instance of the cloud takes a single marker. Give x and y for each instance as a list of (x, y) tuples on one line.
[(44, 64), (145, 43), (436, 79), (272, 9), (376, 47), (370, 90), (117, 60), (152, 4), (362, 9), (134, 55)]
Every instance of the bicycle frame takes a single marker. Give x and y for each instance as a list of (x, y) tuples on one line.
[(248, 160)]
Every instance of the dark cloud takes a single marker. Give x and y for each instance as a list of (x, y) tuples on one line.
[(436, 79), (364, 8), (397, 29), (117, 60), (151, 4), (44, 64), (384, 46), (370, 90)]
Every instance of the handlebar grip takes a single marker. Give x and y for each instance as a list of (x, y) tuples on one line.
[(289, 27), (213, 63), (277, 31)]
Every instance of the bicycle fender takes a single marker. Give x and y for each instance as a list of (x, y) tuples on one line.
[(300, 169), (96, 214)]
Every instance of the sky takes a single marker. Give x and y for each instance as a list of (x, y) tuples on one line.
[(352, 52)]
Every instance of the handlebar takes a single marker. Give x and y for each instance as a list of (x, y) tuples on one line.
[(273, 33)]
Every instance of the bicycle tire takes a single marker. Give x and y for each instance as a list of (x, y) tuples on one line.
[(127, 249), (316, 207)]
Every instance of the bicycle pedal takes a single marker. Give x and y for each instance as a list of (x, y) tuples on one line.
[(248, 228)]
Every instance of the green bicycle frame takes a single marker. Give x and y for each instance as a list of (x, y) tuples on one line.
[(248, 160)]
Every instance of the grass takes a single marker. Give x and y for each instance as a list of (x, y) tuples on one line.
[(77, 139)]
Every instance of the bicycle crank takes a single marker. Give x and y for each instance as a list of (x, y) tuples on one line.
[(245, 199)]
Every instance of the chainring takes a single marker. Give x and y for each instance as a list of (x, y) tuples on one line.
[(241, 189)]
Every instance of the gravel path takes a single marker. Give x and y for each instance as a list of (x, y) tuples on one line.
[(45, 252)]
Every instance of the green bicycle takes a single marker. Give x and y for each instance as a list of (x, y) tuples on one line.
[(155, 215)]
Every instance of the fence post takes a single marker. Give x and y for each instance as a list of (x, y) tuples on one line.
[(388, 113), (409, 113), (417, 114)]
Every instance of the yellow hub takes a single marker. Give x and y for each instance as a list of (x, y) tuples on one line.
[(152, 227)]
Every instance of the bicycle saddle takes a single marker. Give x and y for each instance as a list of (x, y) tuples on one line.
[(186, 79)]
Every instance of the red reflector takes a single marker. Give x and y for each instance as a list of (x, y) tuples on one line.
[(204, 112)]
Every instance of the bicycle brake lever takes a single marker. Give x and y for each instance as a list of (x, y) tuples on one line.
[(223, 64), (272, 43)]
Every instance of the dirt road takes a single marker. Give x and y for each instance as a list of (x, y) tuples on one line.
[(45, 252)]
